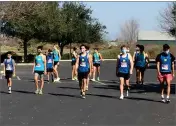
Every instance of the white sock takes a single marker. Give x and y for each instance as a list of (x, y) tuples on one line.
[(162, 96), (167, 97)]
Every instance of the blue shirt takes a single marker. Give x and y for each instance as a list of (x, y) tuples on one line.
[(39, 64), (124, 64), (9, 64), (83, 64), (49, 60)]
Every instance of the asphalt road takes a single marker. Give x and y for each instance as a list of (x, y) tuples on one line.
[(61, 104)]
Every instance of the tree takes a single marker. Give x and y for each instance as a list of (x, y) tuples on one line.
[(167, 19), (129, 31)]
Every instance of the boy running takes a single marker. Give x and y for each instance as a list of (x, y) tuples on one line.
[(39, 69), (124, 69), (83, 62), (9, 70), (165, 70), (141, 62), (97, 58), (57, 58), (73, 62), (50, 64)]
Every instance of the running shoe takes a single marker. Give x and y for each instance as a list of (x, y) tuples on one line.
[(93, 79), (167, 100), (98, 79), (40, 92), (121, 97), (9, 91), (37, 91), (163, 100)]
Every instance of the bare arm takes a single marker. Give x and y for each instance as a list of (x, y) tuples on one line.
[(117, 64), (77, 64), (158, 67), (14, 68), (173, 69), (90, 62), (44, 60), (59, 54), (131, 64), (101, 58), (33, 66), (4, 67), (134, 57)]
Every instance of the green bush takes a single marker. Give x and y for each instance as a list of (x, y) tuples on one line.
[(110, 53)]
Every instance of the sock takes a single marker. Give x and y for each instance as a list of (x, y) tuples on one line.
[(162, 96), (167, 97)]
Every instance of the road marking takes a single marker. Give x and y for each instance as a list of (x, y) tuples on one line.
[(100, 82), (18, 78)]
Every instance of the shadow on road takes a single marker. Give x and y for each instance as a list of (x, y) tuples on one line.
[(69, 88), (67, 95), (25, 92), (3, 92), (155, 88)]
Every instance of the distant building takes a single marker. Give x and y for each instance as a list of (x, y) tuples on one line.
[(155, 37)]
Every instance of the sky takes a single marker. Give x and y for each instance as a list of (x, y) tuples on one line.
[(114, 14)]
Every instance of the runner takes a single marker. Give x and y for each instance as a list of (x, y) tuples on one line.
[(165, 69), (134, 59), (124, 69), (9, 70), (90, 71), (39, 69), (73, 62), (49, 65), (57, 57), (82, 62), (141, 63), (97, 57)]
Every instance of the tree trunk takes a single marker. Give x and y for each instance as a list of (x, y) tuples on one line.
[(25, 50)]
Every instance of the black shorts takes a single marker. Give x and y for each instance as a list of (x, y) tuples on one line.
[(141, 69), (73, 63), (55, 63), (96, 64), (82, 75), (126, 76), (8, 74), (49, 69)]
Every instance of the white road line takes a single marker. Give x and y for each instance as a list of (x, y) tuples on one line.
[(18, 78)]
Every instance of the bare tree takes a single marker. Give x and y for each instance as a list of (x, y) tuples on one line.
[(129, 31), (167, 19)]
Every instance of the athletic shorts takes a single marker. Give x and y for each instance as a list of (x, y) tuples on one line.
[(165, 77), (96, 64), (73, 63), (49, 69), (142, 69), (56, 63), (39, 73), (8, 74), (82, 75), (126, 76)]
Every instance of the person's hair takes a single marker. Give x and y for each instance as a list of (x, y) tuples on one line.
[(96, 49), (138, 45), (74, 48), (49, 50), (87, 47), (82, 46), (166, 46), (40, 47), (9, 52), (141, 47), (122, 47)]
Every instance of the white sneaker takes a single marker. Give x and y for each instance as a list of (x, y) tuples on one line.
[(93, 79), (127, 93), (121, 97), (10, 92), (58, 79)]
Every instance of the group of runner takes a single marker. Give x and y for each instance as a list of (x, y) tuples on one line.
[(85, 66)]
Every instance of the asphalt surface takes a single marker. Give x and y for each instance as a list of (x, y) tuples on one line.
[(61, 104)]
